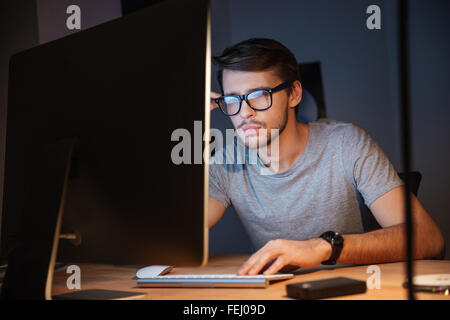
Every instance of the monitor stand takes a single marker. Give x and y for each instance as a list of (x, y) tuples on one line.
[(31, 262)]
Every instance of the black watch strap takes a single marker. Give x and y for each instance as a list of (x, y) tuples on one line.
[(337, 243)]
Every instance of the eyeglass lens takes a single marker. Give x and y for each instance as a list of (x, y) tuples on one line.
[(258, 99)]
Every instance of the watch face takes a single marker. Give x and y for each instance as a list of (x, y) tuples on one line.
[(337, 243), (338, 240)]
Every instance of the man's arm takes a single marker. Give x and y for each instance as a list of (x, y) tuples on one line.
[(388, 244), (384, 245), (215, 208), (215, 211)]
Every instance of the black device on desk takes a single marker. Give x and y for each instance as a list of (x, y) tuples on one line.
[(326, 288), (89, 146)]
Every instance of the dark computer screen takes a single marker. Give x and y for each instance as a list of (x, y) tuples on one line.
[(118, 91)]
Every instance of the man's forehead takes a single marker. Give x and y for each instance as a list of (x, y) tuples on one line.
[(240, 82)]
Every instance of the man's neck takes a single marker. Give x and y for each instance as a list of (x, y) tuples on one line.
[(292, 142)]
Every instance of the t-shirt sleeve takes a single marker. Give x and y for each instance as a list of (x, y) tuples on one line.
[(369, 168), (218, 185)]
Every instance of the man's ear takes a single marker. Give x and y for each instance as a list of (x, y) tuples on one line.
[(295, 94)]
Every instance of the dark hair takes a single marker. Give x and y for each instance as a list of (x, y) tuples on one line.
[(258, 54)]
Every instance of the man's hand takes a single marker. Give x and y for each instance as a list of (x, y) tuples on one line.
[(214, 95), (305, 254)]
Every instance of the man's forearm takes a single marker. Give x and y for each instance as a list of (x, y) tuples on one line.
[(384, 245), (387, 245)]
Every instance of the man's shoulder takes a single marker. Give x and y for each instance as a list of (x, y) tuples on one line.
[(334, 129)]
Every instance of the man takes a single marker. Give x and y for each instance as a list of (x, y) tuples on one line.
[(306, 211)]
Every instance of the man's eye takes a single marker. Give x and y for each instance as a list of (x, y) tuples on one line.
[(230, 100), (259, 93)]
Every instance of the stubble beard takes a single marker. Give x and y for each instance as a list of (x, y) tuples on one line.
[(264, 137)]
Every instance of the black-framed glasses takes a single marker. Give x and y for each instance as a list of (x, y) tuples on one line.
[(258, 100)]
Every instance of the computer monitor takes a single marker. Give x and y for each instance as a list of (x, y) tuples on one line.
[(100, 107)]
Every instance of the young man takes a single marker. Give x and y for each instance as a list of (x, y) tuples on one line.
[(306, 211)]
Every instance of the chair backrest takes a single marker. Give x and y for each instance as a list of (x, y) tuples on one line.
[(368, 220), (312, 106)]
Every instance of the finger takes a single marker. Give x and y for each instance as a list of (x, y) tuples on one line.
[(268, 264), (264, 259), (213, 104), (251, 261), (248, 264), (276, 266), (288, 268)]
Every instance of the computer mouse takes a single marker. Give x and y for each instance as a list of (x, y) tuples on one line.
[(153, 271)]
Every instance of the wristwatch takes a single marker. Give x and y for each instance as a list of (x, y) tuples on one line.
[(337, 243)]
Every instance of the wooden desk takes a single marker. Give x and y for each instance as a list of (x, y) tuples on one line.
[(121, 278)]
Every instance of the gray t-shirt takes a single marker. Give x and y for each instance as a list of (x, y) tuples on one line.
[(319, 192)]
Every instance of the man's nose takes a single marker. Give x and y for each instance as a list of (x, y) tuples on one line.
[(246, 111)]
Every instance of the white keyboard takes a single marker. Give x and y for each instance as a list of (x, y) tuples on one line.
[(212, 280), (224, 276)]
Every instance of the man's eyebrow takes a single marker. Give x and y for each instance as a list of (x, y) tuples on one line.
[(250, 90)]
